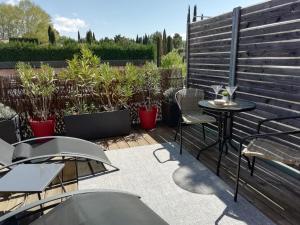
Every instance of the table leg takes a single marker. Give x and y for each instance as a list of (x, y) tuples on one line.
[(222, 133)]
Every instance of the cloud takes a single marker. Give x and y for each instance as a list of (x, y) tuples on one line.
[(68, 25), (12, 2)]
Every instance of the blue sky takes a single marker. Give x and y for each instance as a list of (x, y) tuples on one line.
[(128, 17)]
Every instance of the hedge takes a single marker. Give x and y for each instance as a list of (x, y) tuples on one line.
[(13, 52)]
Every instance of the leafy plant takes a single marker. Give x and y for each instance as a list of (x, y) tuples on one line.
[(115, 87), (173, 60), (148, 83), (6, 112), (81, 72), (39, 86), (225, 93), (169, 94)]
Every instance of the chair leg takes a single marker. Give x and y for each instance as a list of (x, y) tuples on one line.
[(252, 166), (203, 132), (238, 174), (180, 138), (177, 130)]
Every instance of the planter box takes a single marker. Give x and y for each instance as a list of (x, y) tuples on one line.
[(98, 125), (170, 113), (8, 131)]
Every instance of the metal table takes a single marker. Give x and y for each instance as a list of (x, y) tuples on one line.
[(30, 178), (226, 115)]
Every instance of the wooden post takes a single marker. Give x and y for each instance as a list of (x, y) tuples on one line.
[(236, 14), (187, 46)]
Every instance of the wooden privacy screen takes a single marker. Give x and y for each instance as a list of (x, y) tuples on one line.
[(267, 61)]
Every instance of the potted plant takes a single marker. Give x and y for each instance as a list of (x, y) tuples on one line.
[(39, 86), (7, 124), (107, 88), (170, 110), (148, 86), (225, 95)]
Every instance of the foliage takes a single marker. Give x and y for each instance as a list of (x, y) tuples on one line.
[(148, 83), (195, 14), (81, 71), (17, 51), (39, 86), (24, 20), (158, 51), (78, 37), (164, 43), (51, 35), (169, 94), (177, 41), (169, 44), (114, 87), (173, 60), (6, 112), (29, 40), (89, 37), (225, 93)]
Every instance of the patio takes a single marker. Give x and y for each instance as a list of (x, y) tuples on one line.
[(271, 195)]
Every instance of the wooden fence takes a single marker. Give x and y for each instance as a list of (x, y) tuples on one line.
[(258, 48)]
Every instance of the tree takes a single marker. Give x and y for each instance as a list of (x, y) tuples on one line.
[(164, 42), (145, 40), (169, 44), (177, 41), (51, 35), (158, 50), (137, 39), (189, 15), (89, 37), (94, 38), (24, 20), (195, 14), (78, 37)]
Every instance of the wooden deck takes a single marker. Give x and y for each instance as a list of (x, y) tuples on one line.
[(270, 190)]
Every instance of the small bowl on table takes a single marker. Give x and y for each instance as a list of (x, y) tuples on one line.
[(219, 102)]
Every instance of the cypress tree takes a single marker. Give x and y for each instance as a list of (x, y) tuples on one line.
[(164, 43), (89, 37), (189, 16), (195, 14), (159, 51), (137, 39), (78, 37), (94, 38), (169, 44), (51, 35)]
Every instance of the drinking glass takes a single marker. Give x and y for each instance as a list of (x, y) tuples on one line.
[(230, 90), (217, 89)]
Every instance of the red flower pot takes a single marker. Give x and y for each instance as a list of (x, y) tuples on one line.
[(42, 128), (148, 117)]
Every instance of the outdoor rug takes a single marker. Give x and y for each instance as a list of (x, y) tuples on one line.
[(177, 187)]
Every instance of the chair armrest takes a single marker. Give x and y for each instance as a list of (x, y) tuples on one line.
[(275, 119), (266, 135)]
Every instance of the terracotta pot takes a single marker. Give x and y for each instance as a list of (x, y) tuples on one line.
[(148, 117)]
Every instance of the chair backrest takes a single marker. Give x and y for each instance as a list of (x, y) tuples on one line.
[(188, 98), (6, 153)]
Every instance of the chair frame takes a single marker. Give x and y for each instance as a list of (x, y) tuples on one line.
[(181, 122), (259, 135)]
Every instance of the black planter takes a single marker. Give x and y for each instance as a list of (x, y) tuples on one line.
[(170, 113), (98, 125), (8, 131)]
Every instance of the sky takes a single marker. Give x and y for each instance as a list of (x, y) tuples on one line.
[(107, 18)]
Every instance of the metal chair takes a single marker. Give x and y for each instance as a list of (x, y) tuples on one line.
[(187, 100), (266, 147)]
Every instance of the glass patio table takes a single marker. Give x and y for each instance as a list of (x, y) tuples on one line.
[(225, 123)]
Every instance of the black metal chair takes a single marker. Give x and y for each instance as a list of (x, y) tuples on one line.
[(266, 147), (187, 100)]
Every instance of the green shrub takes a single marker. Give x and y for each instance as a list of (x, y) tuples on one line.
[(173, 60), (21, 51)]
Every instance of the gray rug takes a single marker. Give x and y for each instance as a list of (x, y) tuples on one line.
[(196, 197)]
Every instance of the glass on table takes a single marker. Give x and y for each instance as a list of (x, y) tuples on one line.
[(217, 89), (231, 90)]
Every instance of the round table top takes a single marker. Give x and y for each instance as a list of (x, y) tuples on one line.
[(240, 106)]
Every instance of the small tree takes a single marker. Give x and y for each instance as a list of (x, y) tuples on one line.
[(51, 35), (89, 37), (164, 42), (137, 39), (189, 15), (169, 44), (94, 38), (195, 14), (177, 41)]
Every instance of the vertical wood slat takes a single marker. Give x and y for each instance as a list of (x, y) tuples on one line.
[(187, 51), (236, 14)]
